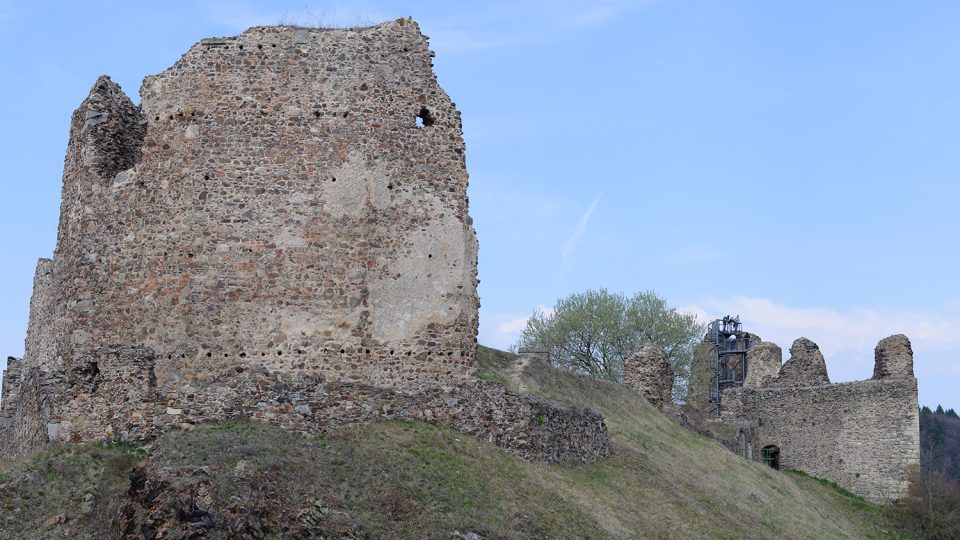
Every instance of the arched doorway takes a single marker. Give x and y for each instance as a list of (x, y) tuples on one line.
[(771, 456)]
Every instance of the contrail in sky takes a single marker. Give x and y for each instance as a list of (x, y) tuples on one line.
[(567, 248)]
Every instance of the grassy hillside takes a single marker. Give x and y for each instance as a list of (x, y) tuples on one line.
[(414, 480)]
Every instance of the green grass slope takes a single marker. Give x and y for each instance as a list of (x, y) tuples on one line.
[(415, 480)]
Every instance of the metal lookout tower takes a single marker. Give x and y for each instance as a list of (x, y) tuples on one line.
[(729, 362)]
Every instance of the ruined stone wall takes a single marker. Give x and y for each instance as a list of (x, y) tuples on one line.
[(278, 231), (864, 435), (763, 364), (41, 332), (274, 199), (701, 379), (12, 375), (648, 372), (114, 395)]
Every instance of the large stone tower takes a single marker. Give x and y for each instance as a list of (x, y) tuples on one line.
[(289, 200)]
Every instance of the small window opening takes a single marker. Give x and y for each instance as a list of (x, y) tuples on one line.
[(424, 118)]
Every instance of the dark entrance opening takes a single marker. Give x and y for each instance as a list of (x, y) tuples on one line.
[(771, 456)]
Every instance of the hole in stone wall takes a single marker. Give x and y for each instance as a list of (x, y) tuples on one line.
[(91, 376), (424, 118), (259, 46), (316, 114), (333, 179), (209, 355), (279, 353), (240, 47), (342, 351)]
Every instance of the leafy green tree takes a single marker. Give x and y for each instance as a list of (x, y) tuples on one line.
[(594, 331), (952, 414), (939, 409)]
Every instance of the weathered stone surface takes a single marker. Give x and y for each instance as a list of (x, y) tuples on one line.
[(272, 234), (648, 372), (112, 395), (11, 386), (864, 435), (274, 198), (893, 357), (805, 367), (764, 360), (701, 379)]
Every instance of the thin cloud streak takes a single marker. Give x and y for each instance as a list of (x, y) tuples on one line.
[(571, 243)]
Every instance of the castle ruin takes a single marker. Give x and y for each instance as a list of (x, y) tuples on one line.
[(278, 230), (863, 435)]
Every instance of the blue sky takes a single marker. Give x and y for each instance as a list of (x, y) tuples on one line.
[(793, 163)]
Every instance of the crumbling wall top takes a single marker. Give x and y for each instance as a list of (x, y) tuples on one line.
[(806, 366), (764, 360), (648, 372), (893, 357)]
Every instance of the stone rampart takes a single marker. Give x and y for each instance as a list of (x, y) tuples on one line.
[(113, 394)]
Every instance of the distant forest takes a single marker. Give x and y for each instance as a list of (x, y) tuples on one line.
[(940, 442)]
